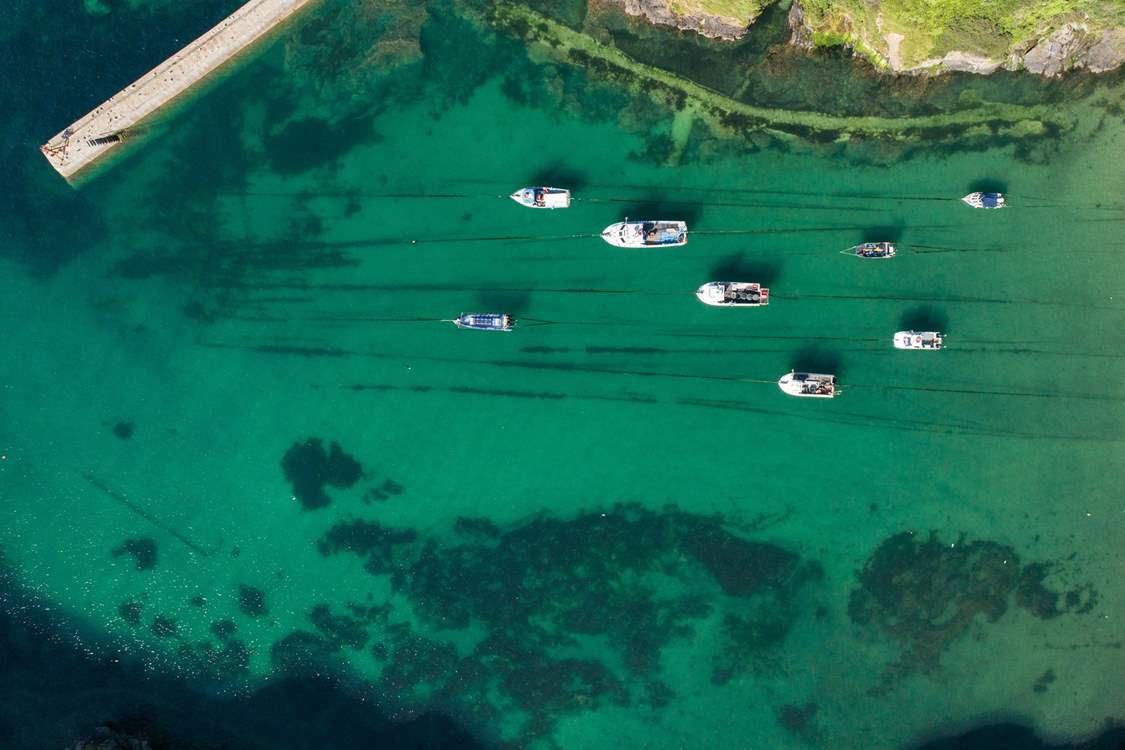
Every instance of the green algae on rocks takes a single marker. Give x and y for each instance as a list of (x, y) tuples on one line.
[(987, 120)]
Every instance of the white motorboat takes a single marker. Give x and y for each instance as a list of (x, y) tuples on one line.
[(542, 197), (646, 233), (985, 200), (932, 340), (873, 250), (808, 384), (733, 294)]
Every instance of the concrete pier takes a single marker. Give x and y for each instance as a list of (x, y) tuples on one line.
[(91, 137)]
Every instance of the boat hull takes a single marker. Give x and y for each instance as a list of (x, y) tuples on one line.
[(485, 321), (640, 234), (733, 294), (985, 200), (873, 250), (919, 340), (542, 197), (808, 385)]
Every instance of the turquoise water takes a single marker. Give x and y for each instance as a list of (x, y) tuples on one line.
[(241, 446)]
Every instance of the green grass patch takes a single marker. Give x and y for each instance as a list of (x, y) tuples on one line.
[(742, 10)]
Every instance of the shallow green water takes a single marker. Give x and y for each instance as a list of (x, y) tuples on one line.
[(672, 549)]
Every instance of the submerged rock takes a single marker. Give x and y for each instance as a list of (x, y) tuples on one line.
[(541, 591), (252, 601), (141, 549), (309, 468), (924, 593), (107, 738)]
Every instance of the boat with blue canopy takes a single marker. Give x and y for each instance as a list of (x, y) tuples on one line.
[(646, 233), (485, 321), (985, 200)]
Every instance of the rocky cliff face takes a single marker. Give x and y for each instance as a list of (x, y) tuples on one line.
[(663, 13), (1074, 45)]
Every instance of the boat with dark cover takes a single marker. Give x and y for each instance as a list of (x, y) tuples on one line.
[(873, 250), (808, 385), (733, 294)]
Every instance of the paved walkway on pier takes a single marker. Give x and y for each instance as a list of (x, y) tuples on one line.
[(88, 139)]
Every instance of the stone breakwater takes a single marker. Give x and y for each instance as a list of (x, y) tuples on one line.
[(99, 131)]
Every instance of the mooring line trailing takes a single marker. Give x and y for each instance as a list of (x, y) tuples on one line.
[(121, 499)]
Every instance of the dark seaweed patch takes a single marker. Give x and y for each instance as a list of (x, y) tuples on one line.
[(303, 653), (130, 611), (308, 468), (141, 549), (223, 628), (1044, 681), (313, 142), (339, 630), (924, 594), (795, 718), (164, 627), (631, 578), (251, 601)]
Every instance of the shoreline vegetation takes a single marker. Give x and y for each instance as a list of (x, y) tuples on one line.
[(553, 39), (1045, 37)]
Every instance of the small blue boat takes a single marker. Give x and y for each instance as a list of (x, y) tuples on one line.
[(485, 321), (985, 200)]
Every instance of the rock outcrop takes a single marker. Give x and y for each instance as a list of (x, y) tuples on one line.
[(800, 34), (706, 24), (1073, 45)]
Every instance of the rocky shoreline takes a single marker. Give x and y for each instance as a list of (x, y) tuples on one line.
[(1051, 51)]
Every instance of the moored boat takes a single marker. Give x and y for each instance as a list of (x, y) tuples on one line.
[(985, 200), (485, 321), (873, 250), (808, 384), (932, 340), (646, 233), (733, 294), (542, 197)]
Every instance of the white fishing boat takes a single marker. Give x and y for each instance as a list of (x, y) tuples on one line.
[(808, 385), (485, 321), (733, 294), (932, 340), (542, 197), (646, 233), (872, 250), (985, 200)]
